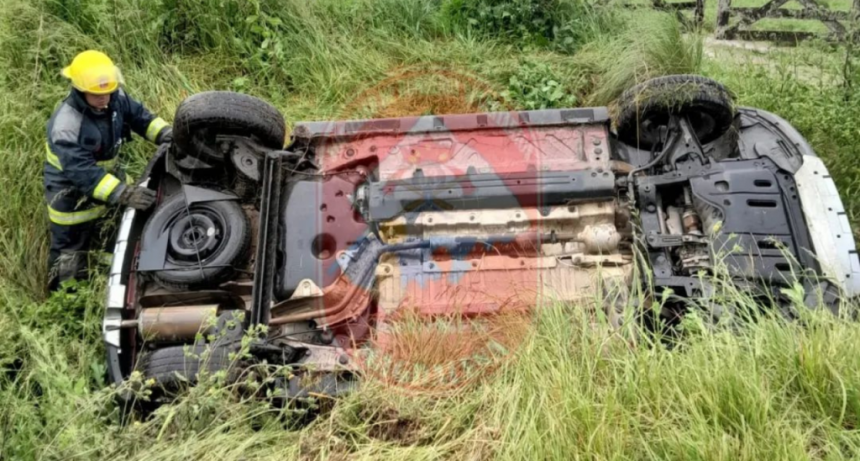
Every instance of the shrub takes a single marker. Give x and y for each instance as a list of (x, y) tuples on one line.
[(536, 86)]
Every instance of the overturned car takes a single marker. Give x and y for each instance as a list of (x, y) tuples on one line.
[(320, 243)]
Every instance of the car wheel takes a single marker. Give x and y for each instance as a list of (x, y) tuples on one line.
[(642, 109), (205, 241), (203, 116), (172, 367)]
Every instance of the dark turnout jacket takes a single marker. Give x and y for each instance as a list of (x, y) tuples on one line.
[(81, 151)]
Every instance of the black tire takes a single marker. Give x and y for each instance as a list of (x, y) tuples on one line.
[(204, 115), (175, 366), (218, 233), (641, 109)]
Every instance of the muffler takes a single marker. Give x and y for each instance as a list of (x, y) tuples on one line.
[(174, 324)]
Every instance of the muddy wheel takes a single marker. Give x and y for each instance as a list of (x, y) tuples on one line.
[(642, 109), (206, 241), (204, 116)]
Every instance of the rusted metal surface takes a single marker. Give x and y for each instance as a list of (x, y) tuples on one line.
[(175, 324), (490, 280), (568, 220), (500, 283), (340, 301), (692, 223), (445, 154), (518, 274), (557, 249), (621, 167)]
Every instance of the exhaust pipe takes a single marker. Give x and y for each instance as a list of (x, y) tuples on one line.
[(174, 324)]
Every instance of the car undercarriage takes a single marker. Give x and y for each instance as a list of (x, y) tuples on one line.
[(320, 244)]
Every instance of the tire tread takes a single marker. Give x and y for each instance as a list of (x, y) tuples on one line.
[(662, 94), (227, 113)]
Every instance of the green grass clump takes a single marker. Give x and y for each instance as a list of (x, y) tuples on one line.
[(535, 85), (567, 390), (654, 45)]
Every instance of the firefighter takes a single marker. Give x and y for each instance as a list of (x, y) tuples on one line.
[(81, 178)]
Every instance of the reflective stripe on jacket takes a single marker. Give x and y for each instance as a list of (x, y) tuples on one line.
[(81, 150)]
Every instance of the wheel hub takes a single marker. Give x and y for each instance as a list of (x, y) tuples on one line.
[(194, 236)]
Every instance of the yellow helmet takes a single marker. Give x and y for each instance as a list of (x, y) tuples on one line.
[(93, 72)]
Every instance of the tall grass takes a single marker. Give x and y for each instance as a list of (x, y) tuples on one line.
[(652, 46), (567, 391)]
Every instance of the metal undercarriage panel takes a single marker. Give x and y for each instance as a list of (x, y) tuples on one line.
[(539, 185), (574, 256)]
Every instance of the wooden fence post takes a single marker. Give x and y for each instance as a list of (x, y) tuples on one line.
[(724, 8), (854, 24), (699, 13)]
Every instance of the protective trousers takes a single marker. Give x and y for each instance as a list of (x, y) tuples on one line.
[(72, 247), (68, 257)]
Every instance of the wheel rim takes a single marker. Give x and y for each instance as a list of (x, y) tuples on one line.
[(195, 236)]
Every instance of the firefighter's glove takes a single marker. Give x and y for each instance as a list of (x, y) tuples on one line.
[(165, 136), (139, 198)]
